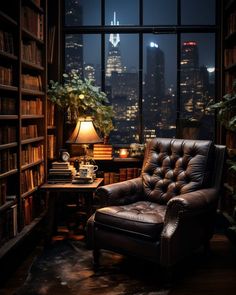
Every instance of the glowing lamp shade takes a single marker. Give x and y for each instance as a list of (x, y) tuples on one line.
[(84, 133)]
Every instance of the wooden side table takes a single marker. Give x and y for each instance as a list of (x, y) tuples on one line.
[(52, 190)]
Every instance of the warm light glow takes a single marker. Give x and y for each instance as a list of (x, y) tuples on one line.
[(123, 153), (84, 133)]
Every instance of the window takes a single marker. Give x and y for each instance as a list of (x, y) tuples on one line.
[(155, 59)]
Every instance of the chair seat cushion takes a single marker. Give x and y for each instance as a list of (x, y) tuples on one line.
[(143, 219)]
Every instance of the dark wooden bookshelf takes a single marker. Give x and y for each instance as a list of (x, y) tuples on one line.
[(31, 36), (8, 173), (8, 88), (32, 66), (31, 140), (231, 68), (7, 205), (9, 117), (32, 92), (24, 167), (8, 145), (228, 202), (35, 78), (26, 117), (7, 19), (8, 55), (25, 232)]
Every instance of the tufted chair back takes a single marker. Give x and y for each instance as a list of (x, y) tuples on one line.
[(175, 166)]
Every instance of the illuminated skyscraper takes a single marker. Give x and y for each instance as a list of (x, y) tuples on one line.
[(89, 72), (194, 82), (154, 92), (114, 63), (74, 43)]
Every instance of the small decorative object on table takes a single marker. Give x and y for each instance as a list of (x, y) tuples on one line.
[(86, 174)]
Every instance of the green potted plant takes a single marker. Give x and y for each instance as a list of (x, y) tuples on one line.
[(226, 110), (80, 98)]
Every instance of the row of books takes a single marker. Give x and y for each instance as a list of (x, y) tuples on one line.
[(31, 82), (7, 134), (231, 23), (32, 107), (61, 172), (31, 154), (6, 76), (102, 152), (8, 224), (29, 131), (51, 142), (122, 175), (37, 2), (50, 113), (8, 161), (31, 52), (31, 178), (229, 79), (32, 206), (32, 21), (7, 106), (6, 42), (3, 191), (230, 56)]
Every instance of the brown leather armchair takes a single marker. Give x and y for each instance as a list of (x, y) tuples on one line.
[(168, 211)]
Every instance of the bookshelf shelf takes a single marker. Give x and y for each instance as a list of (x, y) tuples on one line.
[(229, 5), (6, 18), (32, 165), (8, 145), (9, 117), (32, 92), (25, 117), (231, 67), (26, 231), (7, 205), (30, 35), (30, 192), (23, 102), (8, 55), (51, 127), (8, 173), (31, 140), (8, 88), (32, 66), (34, 6)]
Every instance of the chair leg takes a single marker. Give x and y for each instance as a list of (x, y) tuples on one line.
[(96, 256)]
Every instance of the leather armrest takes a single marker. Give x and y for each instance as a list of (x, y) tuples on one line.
[(189, 222), (192, 203), (120, 193)]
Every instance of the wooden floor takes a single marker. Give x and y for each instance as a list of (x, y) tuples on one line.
[(202, 275)]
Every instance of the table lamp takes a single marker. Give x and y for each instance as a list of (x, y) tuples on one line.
[(84, 134)]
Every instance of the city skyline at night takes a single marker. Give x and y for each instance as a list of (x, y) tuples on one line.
[(158, 72)]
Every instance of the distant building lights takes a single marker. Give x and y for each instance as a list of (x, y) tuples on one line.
[(211, 69), (153, 44), (190, 43)]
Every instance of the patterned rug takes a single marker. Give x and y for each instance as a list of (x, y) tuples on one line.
[(66, 268)]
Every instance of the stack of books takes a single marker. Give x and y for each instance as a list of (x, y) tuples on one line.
[(61, 172), (102, 152)]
